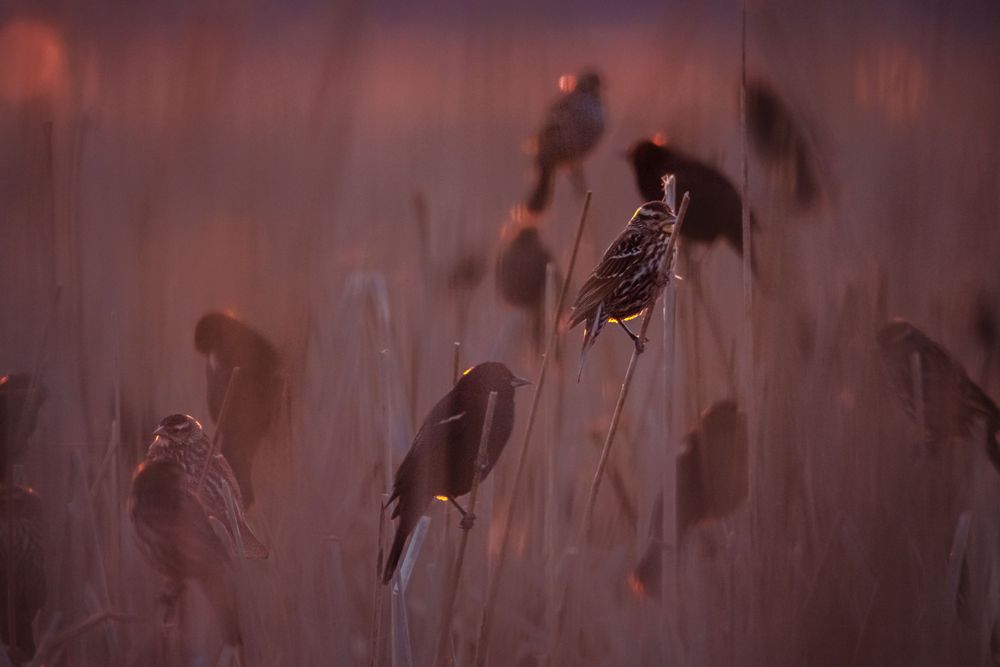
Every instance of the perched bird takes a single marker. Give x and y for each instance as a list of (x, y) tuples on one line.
[(775, 134), (716, 208), (24, 508), (255, 396), (19, 406), (572, 127), (442, 458), (934, 388), (628, 278), (522, 264), (712, 472), (187, 527)]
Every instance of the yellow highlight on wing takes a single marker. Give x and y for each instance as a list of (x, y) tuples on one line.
[(443, 499), (614, 320)]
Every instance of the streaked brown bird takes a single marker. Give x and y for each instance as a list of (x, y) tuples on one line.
[(934, 388), (572, 128), (19, 406), (712, 472), (628, 278), (779, 139), (188, 517), (521, 273), (716, 208), (255, 399), (23, 508), (442, 458)]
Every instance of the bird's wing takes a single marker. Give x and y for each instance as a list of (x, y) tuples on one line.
[(617, 261), (218, 482), (560, 123), (433, 434)]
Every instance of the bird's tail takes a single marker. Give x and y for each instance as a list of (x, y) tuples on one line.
[(396, 551), (540, 195)]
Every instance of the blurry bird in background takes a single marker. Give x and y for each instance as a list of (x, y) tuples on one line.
[(442, 458), (521, 273), (716, 208), (775, 134), (628, 278), (189, 528), (712, 483), (256, 394), (18, 415), (712, 472), (935, 389), (22, 548), (571, 129)]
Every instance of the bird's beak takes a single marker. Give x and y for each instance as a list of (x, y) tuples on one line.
[(161, 431), (518, 382)]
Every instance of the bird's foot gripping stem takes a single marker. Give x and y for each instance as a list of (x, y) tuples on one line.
[(640, 343), (468, 520)]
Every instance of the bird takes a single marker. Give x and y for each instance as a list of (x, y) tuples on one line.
[(628, 278), (442, 458), (187, 512), (712, 471), (942, 396), (22, 548), (572, 127), (255, 396), (716, 208), (776, 135), (521, 272), (19, 407)]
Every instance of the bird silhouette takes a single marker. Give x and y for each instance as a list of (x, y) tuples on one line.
[(255, 398), (442, 458), (572, 127)]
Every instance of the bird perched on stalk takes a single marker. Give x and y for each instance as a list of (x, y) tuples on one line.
[(775, 134), (23, 508), (187, 512), (572, 127), (716, 209), (19, 406), (712, 472), (934, 387), (442, 459), (521, 272), (629, 276), (255, 396)]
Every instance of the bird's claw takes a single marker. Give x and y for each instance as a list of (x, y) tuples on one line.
[(468, 520), (640, 344)]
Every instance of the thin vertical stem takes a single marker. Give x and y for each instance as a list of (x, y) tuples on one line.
[(491, 595), (218, 428), (456, 572)]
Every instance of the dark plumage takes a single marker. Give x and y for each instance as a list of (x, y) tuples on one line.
[(24, 507), (572, 127), (186, 528), (522, 265), (441, 460), (256, 395), (775, 134), (716, 208), (712, 473), (16, 405), (628, 279), (951, 402)]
